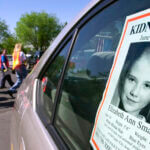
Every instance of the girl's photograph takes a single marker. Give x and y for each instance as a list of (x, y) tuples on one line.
[(132, 94)]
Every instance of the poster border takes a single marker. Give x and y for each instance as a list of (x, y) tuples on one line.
[(112, 70)]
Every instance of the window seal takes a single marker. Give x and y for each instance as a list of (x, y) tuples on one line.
[(55, 53), (100, 6), (58, 140), (59, 87)]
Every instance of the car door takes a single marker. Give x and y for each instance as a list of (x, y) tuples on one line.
[(70, 85), (43, 93)]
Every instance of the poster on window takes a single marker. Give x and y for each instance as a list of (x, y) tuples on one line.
[(123, 117)]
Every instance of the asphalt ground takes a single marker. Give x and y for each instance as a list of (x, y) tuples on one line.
[(6, 106)]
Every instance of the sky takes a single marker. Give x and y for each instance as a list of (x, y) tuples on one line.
[(65, 10)]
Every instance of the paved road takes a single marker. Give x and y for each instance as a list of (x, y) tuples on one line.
[(6, 106)]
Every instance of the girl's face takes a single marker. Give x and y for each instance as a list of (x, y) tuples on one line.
[(136, 90), (4, 52)]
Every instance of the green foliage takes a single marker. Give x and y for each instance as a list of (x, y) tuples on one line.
[(37, 29), (4, 33), (9, 43)]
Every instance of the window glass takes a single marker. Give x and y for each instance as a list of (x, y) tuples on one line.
[(88, 71), (48, 84)]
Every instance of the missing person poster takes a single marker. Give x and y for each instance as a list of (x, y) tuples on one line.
[(123, 117)]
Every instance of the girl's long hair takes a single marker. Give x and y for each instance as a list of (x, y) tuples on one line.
[(135, 52)]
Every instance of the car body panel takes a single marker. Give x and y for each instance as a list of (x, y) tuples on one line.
[(25, 119), (42, 137), (26, 94), (22, 110)]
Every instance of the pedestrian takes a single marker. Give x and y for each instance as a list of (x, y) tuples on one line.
[(4, 65), (19, 60)]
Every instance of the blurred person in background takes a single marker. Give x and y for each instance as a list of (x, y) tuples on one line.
[(5, 74), (19, 60)]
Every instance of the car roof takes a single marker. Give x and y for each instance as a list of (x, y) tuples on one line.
[(65, 31), (70, 25)]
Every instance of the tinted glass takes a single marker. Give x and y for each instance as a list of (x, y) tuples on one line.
[(88, 70), (48, 85)]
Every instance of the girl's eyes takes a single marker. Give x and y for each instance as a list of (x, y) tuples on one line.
[(130, 78), (133, 80), (147, 85)]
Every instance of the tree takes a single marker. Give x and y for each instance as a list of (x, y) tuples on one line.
[(4, 32), (37, 29), (9, 43)]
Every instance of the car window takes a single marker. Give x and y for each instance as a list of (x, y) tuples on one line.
[(48, 84), (88, 70)]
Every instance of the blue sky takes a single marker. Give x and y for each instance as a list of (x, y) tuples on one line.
[(64, 10)]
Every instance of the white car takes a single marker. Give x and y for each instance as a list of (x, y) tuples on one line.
[(10, 59), (56, 106)]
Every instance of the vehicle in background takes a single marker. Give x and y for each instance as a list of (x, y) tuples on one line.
[(56, 105), (32, 59), (10, 59), (38, 54), (29, 61)]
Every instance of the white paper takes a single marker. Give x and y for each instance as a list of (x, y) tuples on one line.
[(115, 128)]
